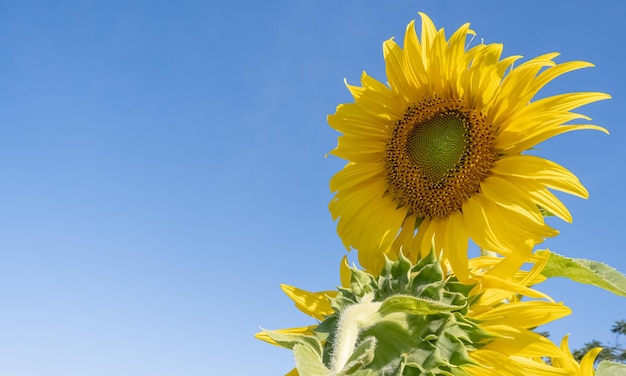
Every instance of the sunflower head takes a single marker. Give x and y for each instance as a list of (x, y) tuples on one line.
[(438, 151)]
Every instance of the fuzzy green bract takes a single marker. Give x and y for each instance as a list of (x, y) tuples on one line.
[(411, 320)]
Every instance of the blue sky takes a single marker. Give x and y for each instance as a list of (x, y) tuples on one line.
[(162, 170)]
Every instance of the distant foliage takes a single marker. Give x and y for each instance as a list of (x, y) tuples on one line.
[(614, 353)]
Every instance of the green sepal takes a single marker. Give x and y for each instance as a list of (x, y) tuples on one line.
[(545, 212), (414, 305), (607, 368), (341, 301), (586, 272), (307, 351), (308, 362), (420, 326), (361, 282), (289, 341), (418, 222)]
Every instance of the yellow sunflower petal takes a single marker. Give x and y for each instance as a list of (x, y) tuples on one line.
[(404, 241), (455, 240), (507, 195), (553, 72), (293, 372), (542, 170), (543, 198), (494, 363), (567, 361), (396, 74), (344, 272), (587, 362), (456, 53), (526, 315), (499, 289), (536, 137), (315, 304), (413, 63), (428, 34), (362, 209), (478, 228), (567, 102), (376, 101), (354, 174), (428, 229), (513, 93), (520, 342), (492, 222)]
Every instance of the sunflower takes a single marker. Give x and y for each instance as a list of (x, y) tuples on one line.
[(490, 331), (437, 152)]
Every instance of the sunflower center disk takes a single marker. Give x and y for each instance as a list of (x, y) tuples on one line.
[(437, 145), (437, 155)]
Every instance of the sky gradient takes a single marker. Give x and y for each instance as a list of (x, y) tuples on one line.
[(163, 170)]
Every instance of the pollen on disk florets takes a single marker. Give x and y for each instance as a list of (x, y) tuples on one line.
[(437, 155)]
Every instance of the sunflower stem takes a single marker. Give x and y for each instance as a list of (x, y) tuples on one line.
[(356, 318)]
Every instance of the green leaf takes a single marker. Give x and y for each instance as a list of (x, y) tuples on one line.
[(414, 305), (606, 368), (587, 272), (308, 363)]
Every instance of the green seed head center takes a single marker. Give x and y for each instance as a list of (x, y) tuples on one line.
[(437, 155), (437, 145)]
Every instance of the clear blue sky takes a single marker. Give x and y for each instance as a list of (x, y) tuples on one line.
[(162, 170)]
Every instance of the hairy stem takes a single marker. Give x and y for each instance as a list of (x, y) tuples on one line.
[(351, 323)]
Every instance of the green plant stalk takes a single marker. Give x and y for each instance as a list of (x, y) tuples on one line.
[(353, 320)]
